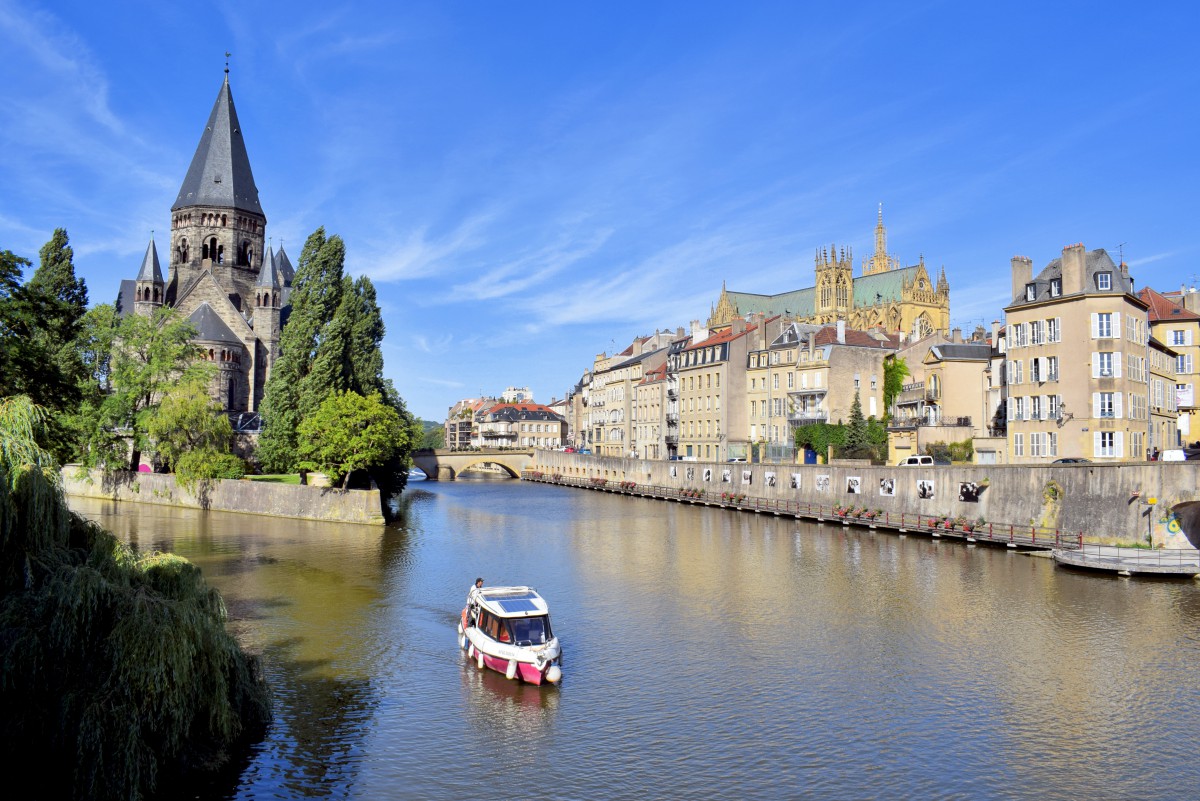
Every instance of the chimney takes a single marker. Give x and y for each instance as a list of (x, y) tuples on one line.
[(1022, 274), (699, 334), (841, 332), (995, 333), (956, 335), (737, 325), (1073, 269)]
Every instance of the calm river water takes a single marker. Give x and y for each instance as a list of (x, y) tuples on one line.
[(707, 654)]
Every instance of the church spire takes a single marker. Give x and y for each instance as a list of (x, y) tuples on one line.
[(220, 174), (879, 261), (151, 271)]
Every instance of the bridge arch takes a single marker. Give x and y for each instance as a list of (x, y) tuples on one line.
[(446, 465)]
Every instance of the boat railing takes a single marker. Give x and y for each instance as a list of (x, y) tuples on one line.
[(1008, 534)]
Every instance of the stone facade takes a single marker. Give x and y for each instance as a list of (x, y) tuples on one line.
[(899, 300)]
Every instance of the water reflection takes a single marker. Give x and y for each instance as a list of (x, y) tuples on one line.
[(704, 649)]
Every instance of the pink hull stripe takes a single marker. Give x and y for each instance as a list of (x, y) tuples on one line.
[(526, 671)]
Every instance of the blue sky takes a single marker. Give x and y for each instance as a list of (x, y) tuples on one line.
[(529, 184)]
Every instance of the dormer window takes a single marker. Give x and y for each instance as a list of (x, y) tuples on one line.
[(1104, 281), (1055, 287), (1030, 291)]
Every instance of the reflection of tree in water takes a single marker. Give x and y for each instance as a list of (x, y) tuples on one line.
[(321, 723)]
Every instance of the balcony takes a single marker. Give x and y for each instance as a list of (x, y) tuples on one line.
[(911, 394), (805, 417), (672, 394), (671, 439), (672, 419)]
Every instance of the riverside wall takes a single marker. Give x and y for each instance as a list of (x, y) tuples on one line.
[(245, 497), (1104, 501)]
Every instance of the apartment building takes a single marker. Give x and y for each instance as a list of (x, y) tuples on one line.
[(771, 375), (525, 425), (832, 364), (1178, 327), (649, 414), (611, 397), (460, 421), (1164, 412), (1079, 361), (712, 392), (946, 397)]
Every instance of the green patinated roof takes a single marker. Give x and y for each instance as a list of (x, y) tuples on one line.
[(801, 302)]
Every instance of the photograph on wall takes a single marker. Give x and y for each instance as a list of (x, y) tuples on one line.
[(853, 485), (691, 474), (708, 474), (887, 487), (726, 476), (770, 479), (925, 489), (969, 491), (674, 471), (822, 483), (795, 481), (746, 476)]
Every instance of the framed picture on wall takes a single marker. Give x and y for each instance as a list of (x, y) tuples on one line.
[(795, 480), (853, 485), (887, 487)]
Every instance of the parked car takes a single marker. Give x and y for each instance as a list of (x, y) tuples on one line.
[(585, 451), (1071, 460), (922, 460), (568, 449)]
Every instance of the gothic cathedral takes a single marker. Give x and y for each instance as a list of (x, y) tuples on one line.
[(895, 299), (232, 289)]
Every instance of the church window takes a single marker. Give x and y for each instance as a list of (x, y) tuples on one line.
[(224, 220), (220, 254), (843, 294), (156, 297), (826, 295)]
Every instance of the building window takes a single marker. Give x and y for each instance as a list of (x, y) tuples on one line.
[(1054, 327), (1055, 287), (1183, 363), (1053, 441), (1104, 366), (1051, 368), (791, 380), (775, 381), (1036, 332), (1037, 444), (1104, 325), (1018, 444), (1030, 291), (1106, 443), (1104, 281), (1104, 404), (1176, 338), (1036, 410)]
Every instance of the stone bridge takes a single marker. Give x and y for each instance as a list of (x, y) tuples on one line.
[(445, 465)]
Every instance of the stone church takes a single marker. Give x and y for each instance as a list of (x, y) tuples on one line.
[(898, 300), (220, 276)]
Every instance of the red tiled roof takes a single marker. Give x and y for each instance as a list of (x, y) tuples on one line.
[(860, 339), (1163, 308), (727, 335)]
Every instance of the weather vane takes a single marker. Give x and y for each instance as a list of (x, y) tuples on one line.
[(227, 62)]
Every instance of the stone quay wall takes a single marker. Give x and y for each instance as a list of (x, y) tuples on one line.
[(245, 497), (1103, 501)]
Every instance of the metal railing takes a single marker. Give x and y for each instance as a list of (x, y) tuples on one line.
[(1010, 535)]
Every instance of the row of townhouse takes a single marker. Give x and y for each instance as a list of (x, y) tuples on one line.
[(1084, 367), (511, 421)]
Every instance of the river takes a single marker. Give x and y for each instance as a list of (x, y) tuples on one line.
[(707, 654)]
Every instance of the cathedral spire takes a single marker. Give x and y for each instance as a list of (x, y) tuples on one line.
[(151, 271), (220, 174)]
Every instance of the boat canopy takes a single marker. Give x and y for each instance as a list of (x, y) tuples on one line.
[(509, 602)]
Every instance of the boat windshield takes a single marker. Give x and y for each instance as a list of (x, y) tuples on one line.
[(530, 630)]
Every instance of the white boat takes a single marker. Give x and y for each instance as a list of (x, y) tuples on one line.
[(508, 630)]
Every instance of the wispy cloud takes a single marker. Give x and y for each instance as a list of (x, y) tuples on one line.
[(1151, 259)]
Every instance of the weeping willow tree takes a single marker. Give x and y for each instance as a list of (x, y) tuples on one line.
[(117, 667)]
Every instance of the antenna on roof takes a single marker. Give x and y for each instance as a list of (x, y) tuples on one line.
[(1121, 253)]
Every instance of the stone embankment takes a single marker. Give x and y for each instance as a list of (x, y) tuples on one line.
[(1070, 502), (245, 497)]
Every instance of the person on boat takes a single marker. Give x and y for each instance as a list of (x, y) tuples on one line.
[(472, 604)]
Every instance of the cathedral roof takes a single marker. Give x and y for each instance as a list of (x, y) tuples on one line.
[(150, 270), (269, 276), (210, 327), (284, 265), (869, 290), (220, 171)]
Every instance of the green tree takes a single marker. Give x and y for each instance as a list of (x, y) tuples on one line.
[(188, 420), (856, 429), (147, 356), (316, 294), (819, 436), (349, 432), (433, 435), (895, 370)]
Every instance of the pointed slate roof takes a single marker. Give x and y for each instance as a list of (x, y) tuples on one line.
[(220, 172), (284, 265), (268, 276), (210, 327), (150, 270)]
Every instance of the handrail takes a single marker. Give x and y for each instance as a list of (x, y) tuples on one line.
[(1011, 535)]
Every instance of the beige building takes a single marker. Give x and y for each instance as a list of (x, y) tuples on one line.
[(611, 396), (460, 422), (1079, 359), (650, 414), (886, 296), (834, 363), (712, 392), (520, 425), (1178, 327), (1164, 412), (947, 396)]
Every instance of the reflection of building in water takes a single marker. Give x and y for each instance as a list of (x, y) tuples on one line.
[(512, 707)]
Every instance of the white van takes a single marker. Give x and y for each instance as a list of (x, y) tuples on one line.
[(921, 460)]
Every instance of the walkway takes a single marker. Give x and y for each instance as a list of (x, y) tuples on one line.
[(1127, 561)]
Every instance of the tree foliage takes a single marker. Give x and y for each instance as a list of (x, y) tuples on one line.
[(819, 436), (895, 370), (330, 344), (188, 420), (349, 432), (135, 361), (856, 429), (117, 666)]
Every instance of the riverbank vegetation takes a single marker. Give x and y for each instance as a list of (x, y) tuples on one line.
[(117, 667)]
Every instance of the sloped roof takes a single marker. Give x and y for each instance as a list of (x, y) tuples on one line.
[(889, 286), (522, 411), (856, 338), (220, 174), (126, 296), (210, 327), (1163, 309), (150, 269), (284, 265), (1095, 261), (268, 276), (964, 352)]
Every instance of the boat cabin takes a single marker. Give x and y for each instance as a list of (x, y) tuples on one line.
[(515, 615)]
